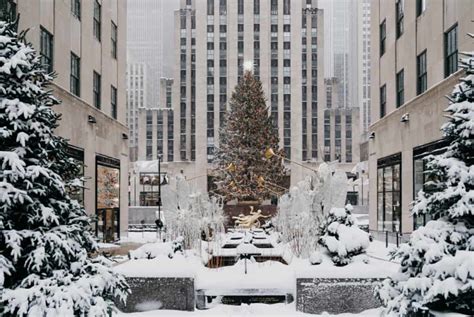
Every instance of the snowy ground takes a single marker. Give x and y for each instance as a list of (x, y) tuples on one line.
[(244, 310)]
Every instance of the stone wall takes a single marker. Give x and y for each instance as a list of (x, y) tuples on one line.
[(159, 293), (336, 295)]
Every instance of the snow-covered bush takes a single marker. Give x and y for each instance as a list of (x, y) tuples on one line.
[(45, 236), (342, 237), (193, 215), (437, 264), (152, 250), (302, 211)]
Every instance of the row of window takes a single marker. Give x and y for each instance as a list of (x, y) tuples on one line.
[(451, 66), (46, 38)]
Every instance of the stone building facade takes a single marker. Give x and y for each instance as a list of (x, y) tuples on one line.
[(415, 48), (84, 43)]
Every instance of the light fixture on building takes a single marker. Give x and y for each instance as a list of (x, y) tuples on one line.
[(372, 135), (125, 136), (405, 118), (91, 119)]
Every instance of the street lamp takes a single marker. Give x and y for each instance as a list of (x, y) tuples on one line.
[(159, 222)]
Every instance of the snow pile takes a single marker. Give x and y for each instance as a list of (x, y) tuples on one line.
[(181, 265), (437, 264), (153, 250), (341, 237), (302, 211)]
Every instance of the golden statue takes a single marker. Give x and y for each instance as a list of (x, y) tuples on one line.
[(250, 221)]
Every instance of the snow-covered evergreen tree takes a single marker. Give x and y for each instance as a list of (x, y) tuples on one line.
[(342, 237), (45, 239), (247, 134), (437, 264)]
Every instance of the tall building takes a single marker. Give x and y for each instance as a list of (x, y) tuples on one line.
[(414, 52), (347, 54), (137, 98), (282, 39), (363, 65), (340, 51), (150, 56), (84, 43)]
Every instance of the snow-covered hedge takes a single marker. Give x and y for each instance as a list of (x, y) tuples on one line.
[(342, 237)]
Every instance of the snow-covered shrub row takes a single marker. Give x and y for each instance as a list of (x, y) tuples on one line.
[(303, 210), (193, 215), (45, 236), (153, 250), (342, 237), (437, 264)]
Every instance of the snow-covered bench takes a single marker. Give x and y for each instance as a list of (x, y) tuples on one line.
[(202, 295)]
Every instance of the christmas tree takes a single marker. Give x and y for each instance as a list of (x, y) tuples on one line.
[(437, 264), (248, 133), (45, 237)]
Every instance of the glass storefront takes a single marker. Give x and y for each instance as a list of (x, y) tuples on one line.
[(420, 177), (389, 193), (108, 199)]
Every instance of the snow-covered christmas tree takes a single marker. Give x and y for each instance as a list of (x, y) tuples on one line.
[(342, 237), (437, 264), (247, 134), (45, 237)]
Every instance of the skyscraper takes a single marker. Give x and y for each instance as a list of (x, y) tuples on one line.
[(283, 41)]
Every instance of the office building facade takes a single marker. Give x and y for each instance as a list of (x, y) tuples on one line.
[(84, 43), (415, 49)]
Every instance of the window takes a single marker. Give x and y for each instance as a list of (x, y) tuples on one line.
[(240, 7), (75, 80), (389, 194), (383, 36), (400, 15), (113, 101), (286, 7), (383, 101), (114, 40), (256, 7), (97, 19), (46, 50), (76, 8), (420, 7), (96, 90), (400, 88), (210, 7), (451, 50), (420, 175), (421, 73)]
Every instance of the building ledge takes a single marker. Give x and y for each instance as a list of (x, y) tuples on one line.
[(451, 80), (67, 97)]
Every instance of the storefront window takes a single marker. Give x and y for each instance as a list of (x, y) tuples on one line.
[(78, 155), (389, 194), (108, 199), (420, 177)]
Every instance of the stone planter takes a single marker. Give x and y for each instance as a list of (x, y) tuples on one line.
[(336, 295)]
